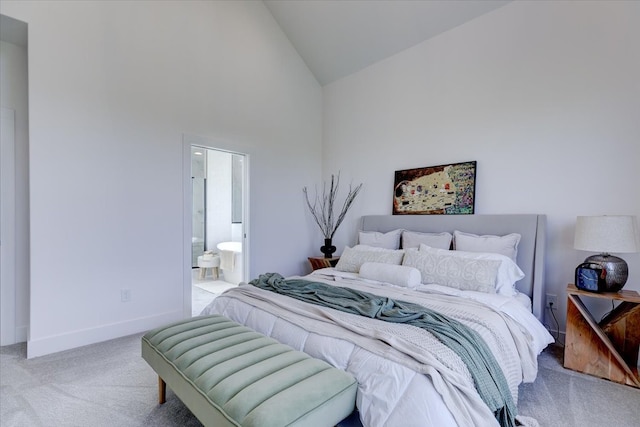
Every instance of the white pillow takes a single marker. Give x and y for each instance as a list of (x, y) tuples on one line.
[(390, 240), (508, 272), (352, 258), (413, 239), (399, 275), (373, 248), (440, 267), (506, 245)]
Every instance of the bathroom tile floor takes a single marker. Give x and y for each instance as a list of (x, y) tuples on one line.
[(203, 291)]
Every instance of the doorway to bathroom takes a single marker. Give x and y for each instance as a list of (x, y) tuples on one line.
[(218, 220)]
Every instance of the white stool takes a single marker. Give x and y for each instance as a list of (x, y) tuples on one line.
[(210, 262)]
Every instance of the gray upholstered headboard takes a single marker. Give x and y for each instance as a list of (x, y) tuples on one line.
[(530, 249)]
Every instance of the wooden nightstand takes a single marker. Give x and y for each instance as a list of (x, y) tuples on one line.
[(321, 262), (608, 349)]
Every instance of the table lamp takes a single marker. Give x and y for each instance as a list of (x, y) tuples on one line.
[(605, 234)]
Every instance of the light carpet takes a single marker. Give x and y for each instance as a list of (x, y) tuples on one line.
[(109, 384), (561, 397)]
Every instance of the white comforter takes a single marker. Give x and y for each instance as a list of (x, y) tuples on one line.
[(405, 376)]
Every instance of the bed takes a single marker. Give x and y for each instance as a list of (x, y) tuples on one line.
[(406, 376)]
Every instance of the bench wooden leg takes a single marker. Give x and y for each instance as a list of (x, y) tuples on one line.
[(162, 391)]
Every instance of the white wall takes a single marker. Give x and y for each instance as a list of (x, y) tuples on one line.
[(14, 95), (113, 88), (544, 95)]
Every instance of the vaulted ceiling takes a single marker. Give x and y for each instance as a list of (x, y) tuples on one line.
[(339, 37)]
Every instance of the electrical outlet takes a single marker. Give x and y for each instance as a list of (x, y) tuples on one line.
[(125, 295), (552, 301)]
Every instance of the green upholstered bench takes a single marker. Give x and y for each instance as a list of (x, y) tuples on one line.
[(230, 375)]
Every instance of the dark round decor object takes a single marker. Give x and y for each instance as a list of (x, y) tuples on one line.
[(328, 249), (617, 270)]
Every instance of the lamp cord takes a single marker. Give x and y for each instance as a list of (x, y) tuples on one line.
[(613, 307), (557, 325)]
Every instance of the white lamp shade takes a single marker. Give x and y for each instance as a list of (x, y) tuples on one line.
[(606, 234)]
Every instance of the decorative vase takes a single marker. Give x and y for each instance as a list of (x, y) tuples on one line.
[(328, 249)]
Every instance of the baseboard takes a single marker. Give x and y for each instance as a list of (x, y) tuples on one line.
[(56, 343)]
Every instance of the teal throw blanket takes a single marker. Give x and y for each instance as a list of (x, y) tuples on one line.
[(487, 375)]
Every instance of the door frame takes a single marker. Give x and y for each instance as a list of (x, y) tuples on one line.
[(8, 226), (187, 142)]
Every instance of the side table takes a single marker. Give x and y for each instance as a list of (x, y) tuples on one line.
[(609, 348), (321, 262)]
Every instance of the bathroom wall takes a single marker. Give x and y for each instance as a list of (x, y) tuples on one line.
[(218, 198), (236, 232)]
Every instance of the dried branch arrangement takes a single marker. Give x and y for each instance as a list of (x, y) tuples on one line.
[(322, 207)]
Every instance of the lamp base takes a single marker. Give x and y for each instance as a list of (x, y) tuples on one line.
[(617, 270)]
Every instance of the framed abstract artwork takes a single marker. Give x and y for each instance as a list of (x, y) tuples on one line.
[(435, 190)]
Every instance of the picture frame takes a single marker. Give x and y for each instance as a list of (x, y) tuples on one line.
[(435, 190)]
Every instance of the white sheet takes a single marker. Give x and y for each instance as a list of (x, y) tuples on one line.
[(390, 391), (518, 307), (387, 391)]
